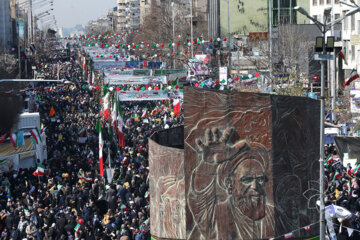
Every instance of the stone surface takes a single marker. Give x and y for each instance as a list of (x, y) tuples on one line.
[(167, 192), (250, 158), (249, 169)]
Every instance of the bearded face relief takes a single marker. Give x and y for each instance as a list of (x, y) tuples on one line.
[(248, 194), (234, 185)]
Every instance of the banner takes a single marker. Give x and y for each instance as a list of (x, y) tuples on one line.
[(117, 64), (179, 75), (114, 79), (149, 95), (21, 28), (223, 75)]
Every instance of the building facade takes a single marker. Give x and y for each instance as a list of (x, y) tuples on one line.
[(346, 36), (5, 26), (246, 17)]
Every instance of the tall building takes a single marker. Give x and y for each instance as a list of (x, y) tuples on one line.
[(128, 15), (346, 37), (5, 26), (245, 16)]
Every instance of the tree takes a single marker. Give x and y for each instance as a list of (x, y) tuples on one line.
[(157, 28), (291, 58)]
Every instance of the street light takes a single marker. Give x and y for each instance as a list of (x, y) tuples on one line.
[(324, 27)]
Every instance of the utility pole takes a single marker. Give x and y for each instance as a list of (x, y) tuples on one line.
[(173, 32), (191, 29), (270, 45), (229, 40), (17, 10), (31, 23), (322, 151), (332, 71)]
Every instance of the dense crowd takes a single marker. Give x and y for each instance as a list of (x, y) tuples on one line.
[(72, 200), (342, 189)]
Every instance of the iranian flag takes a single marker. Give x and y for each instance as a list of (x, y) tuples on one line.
[(176, 105), (144, 113), (329, 159), (113, 115), (40, 170), (36, 135), (119, 129), (353, 75), (86, 179), (3, 137), (342, 55), (77, 228), (13, 139), (337, 174), (288, 235), (355, 170), (106, 106), (348, 186), (101, 144)]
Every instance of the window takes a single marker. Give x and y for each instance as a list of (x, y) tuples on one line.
[(283, 12), (352, 22), (352, 53), (328, 1), (315, 2), (358, 25), (337, 16), (345, 21), (321, 2)]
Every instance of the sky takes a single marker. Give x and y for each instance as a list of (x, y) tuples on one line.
[(69, 13)]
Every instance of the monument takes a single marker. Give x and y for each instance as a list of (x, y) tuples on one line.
[(248, 168)]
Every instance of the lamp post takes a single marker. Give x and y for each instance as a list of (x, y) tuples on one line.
[(229, 40), (173, 31), (324, 27), (191, 29)]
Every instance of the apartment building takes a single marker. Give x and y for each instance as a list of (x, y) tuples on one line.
[(347, 34), (128, 14), (5, 26)]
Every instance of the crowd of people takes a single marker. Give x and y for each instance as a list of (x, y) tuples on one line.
[(342, 189), (72, 200)]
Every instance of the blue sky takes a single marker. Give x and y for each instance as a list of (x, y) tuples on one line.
[(69, 13)]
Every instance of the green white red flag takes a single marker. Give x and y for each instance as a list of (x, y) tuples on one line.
[(106, 106), (36, 135), (329, 159), (101, 144), (40, 170), (353, 75)]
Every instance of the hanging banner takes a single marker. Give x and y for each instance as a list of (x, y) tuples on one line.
[(180, 74), (149, 95), (355, 101), (114, 79), (21, 28), (115, 73), (117, 64), (223, 75)]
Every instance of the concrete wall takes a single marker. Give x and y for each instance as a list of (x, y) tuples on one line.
[(167, 192)]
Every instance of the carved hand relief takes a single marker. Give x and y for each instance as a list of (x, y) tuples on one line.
[(230, 181)]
